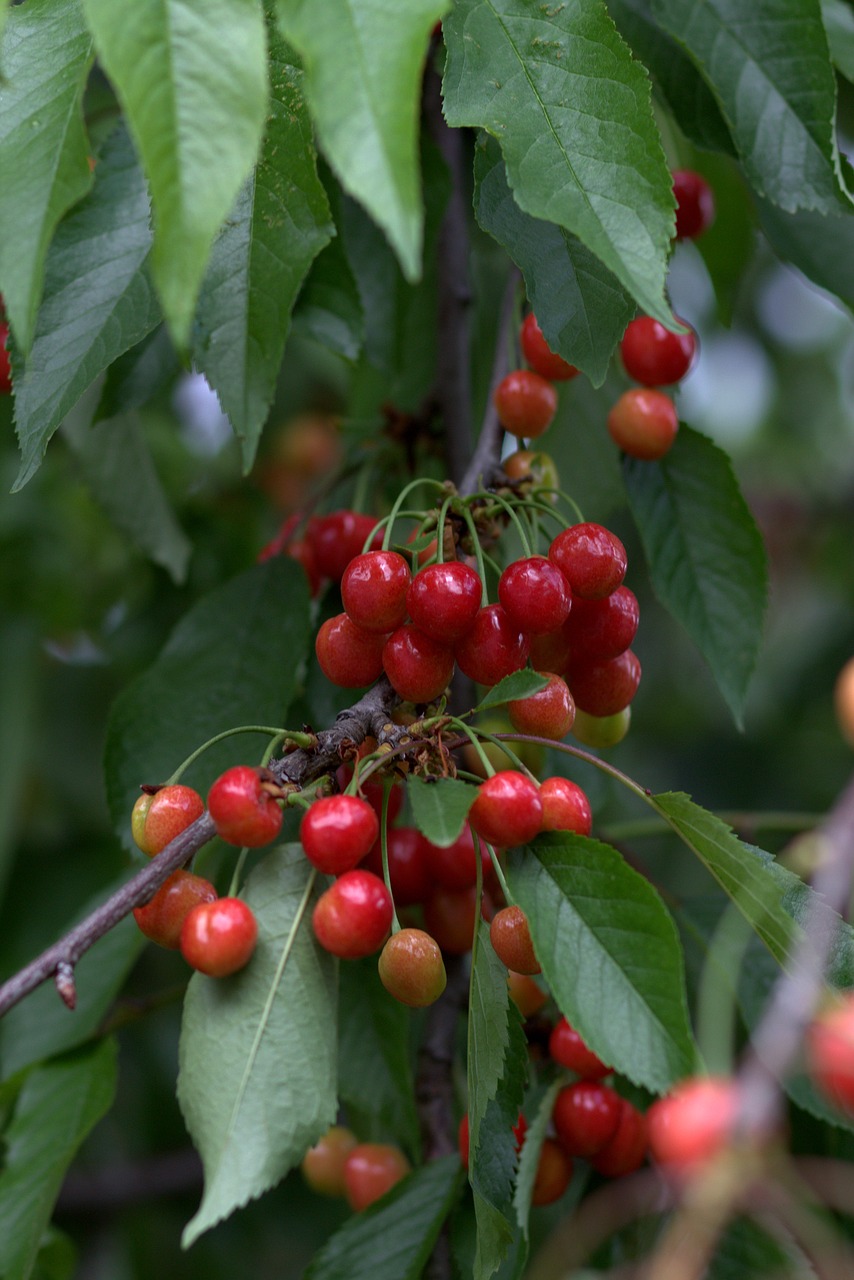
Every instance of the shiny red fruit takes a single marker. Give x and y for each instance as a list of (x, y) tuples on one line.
[(493, 647), (443, 600), (554, 1173), (830, 1054), (373, 589), (604, 688), (411, 968), (591, 558), (539, 354), (419, 668), (218, 938), (695, 204), (165, 815), (370, 1170), (567, 1047), (565, 807), (626, 1151), (585, 1117), (508, 810), (547, 714), (162, 917), (349, 656), (243, 810), (655, 356), (692, 1124), (337, 832), (643, 423), (525, 402), (408, 865), (353, 917), (600, 629), (510, 936), (535, 595), (338, 537)]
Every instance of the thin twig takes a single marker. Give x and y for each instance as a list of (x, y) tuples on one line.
[(484, 461)]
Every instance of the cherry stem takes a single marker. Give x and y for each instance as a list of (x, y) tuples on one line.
[(238, 871), (304, 740), (478, 553), (397, 508), (440, 530), (523, 768), (473, 739), (387, 785), (499, 872), (513, 515)]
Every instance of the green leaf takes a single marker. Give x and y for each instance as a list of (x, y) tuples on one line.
[(254, 1108), (497, 1069), (57, 1257), (839, 27), (519, 684), (767, 64), (393, 1238), (117, 466), (610, 953), (364, 69), (98, 300), (440, 809), (705, 554), (329, 308), (571, 108), (232, 660), (20, 682), (279, 224), (55, 1108), (137, 376), (822, 248), (745, 1249), (375, 1081), (191, 76), (529, 1157), (45, 58)]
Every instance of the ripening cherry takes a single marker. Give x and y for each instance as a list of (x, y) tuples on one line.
[(157, 819), (218, 938), (830, 1054), (370, 1170), (626, 1150), (443, 600), (567, 1047), (695, 204), (525, 402), (510, 936), (843, 701), (585, 1117), (591, 558), (692, 1125), (565, 807), (554, 1173), (493, 648), (373, 589), (604, 628), (547, 714), (411, 968), (418, 667), (508, 810), (535, 595), (643, 423), (408, 865), (162, 917), (655, 356), (602, 731), (349, 656), (338, 537), (243, 810), (337, 832), (604, 688), (353, 917), (539, 354), (323, 1164), (526, 994), (537, 467)]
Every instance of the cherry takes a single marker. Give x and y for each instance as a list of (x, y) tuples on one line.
[(537, 467), (591, 558), (374, 588), (494, 647), (370, 1170), (449, 917), (408, 865), (419, 668), (412, 969), (527, 996), (242, 808), (337, 832), (690, 1126), (695, 204), (510, 936), (525, 402), (338, 537), (162, 917), (565, 807), (351, 919), (554, 1173), (830, 1054), (323, 1164), (843, 701), (654, 355), (218, 938), (519, 1130), (625, 1152), (604, 688), (157, 819), (550, 652), (455, 865), (539, 354), (443, 600), (601, 731), (547, 714), (567, 1047), (585, 1117), (604, 628), (535, 595), (643, 423), (349, 656), (507, 810), (5, 363)]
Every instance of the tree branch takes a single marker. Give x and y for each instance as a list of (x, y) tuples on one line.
[(480, 471)]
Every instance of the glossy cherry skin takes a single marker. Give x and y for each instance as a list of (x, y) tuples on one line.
[(419, 668), (601, 629), (162, 917), (565, 807), (626, 1151), (508, 810), (408, 865), (554, 1173), (338, 537), (535, 595), (5, 363), (567, 1047), (455, 865), (654, 355), (830, 1054), (695, 204), (370, 1170), (547, 714), (411, 968), (510, 936), (493, 647), (643, 423), (353, 917), (604, 688), (525, 402), (349, 656), (243, 811), (690, 1126), (373, 589), (168, 812), (443, 600), (591, 558), (539, 354), (585, 1117), (528, 997), (218, 938), (323, 1164), (337, 832)]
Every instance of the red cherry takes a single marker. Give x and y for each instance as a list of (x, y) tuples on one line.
[(690, 1126), (655, 355), (600, 629), (443, 600), (337, 832), (243, 810), (625, 1152), (449, 917), (539, 354), (493, 648), (408, 865), (695, 204), (535, 595), (323, 1164), (643, 423), (168, 812), (830, 1054), (567, 1047), (419, 668), (538, 468), (525, 402), (528, 997), (550, 652), (604, 688), (591, 558), (162, 917), (349, 656), (372, 791), (508, 810), (351, 919), (370, 1170), (374, 588), (218, 938), (5, 362), (565, 807), (554, 1173), (510, 936), (411, 968), (455, 866), (547, 714), (585, 1117), (338, 537)]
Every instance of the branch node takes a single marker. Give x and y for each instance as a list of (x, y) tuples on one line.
[(65, 985)]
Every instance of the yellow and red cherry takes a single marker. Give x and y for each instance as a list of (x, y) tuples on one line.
[(218, 938), (157, 819), (554, 1173), (830, 1054), (162, 917), (528, 997), (510, 935), (602, 731), (243, 810), (323, 1164), (691, 1126), (643, 423), (411, 968)]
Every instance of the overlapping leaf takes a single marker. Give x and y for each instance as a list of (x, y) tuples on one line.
[(258, 1052), (821, 247), (439, 810)]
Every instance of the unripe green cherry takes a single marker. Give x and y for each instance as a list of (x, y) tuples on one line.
[(411, 968), (601, 731)]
